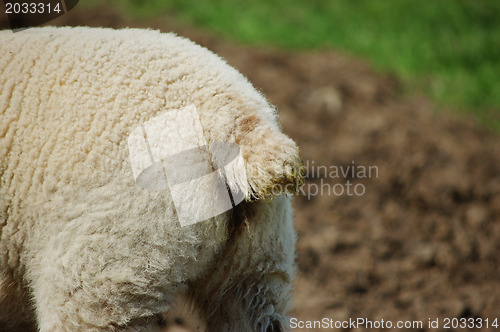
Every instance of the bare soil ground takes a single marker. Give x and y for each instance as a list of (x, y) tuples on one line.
[(424, 239)]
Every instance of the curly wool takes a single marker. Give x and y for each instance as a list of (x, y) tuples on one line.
[(81, 246)]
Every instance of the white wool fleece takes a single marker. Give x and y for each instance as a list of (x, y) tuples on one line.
[(82, 247)]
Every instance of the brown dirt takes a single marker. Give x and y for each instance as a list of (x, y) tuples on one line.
[(424, 240)]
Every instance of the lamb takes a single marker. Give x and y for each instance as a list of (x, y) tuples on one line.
[(82, 246)]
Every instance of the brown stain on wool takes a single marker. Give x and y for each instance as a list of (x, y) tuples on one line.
[(249, 123)]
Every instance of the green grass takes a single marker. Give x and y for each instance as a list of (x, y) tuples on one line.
[(449, 49)]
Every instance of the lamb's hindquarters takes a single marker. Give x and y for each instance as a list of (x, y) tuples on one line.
[(99, 281), (88, 248)]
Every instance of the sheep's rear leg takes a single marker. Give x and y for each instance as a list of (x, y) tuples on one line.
[(71, 294), (73, 314)]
